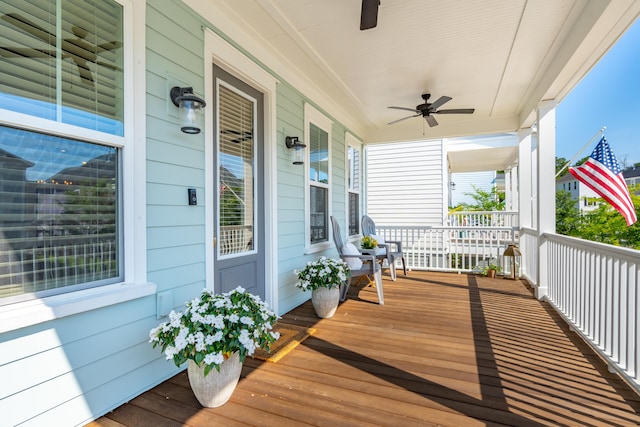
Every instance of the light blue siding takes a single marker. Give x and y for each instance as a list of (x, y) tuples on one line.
[(76, 368)]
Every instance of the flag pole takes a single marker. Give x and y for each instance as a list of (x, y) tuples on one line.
[(601, 131)]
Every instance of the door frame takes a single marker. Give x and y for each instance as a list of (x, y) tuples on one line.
[(227, 57)]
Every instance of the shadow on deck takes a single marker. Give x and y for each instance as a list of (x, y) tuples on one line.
[(445, 349)]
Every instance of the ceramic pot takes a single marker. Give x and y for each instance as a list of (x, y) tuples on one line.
[(325, 301), (217, 387)]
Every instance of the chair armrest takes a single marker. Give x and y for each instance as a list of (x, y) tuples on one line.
[(398, 244), (363, 257)]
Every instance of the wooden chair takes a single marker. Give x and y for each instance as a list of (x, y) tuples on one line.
[(360, 265), (369, 229)]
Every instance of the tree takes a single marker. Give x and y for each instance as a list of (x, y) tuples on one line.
[(568, 217), (560, 162), (606, 225), (486, 200)]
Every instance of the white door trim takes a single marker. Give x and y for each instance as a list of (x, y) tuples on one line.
[(227, 57)]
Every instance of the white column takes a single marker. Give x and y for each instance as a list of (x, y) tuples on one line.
[(508, 195), (514, 189), (546, 195), (526, 177), (525, 203)]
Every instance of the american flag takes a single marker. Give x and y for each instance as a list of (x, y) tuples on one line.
[(602, 174)]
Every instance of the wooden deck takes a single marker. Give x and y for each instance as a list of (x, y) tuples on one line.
[(445, 350)]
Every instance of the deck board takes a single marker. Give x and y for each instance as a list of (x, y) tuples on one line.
[(445, 349)]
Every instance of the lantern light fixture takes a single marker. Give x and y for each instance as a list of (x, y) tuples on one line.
[(513, 252), (297, 155), (190, 107)]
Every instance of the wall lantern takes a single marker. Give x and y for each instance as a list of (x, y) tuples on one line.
[(190, 108), (297, 155), (452, 185), (513, 252)]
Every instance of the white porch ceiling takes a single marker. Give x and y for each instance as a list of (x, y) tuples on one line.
[(501, 57)]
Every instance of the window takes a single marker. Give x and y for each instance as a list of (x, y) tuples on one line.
[(59, 227), (68, 67), (318, 171), (353, 185), (61, 191)]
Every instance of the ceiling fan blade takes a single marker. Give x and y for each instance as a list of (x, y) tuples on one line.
[(109, 46), (431, 120), (404, 118), (438, 102), (26, 52), (456, 111), (369, 14), (405, 109), (25, 25)]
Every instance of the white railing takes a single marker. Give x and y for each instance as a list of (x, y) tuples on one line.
[(56, 264), (235, 239), (456, 249), (482, 219), (596, 288), (529, 247)]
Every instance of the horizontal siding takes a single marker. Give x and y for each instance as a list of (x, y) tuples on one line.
[(81, 366), (68, 371), (404, 183)]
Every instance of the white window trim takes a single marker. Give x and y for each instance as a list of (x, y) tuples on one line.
[(312, 115), (352, 142), (133, 145)]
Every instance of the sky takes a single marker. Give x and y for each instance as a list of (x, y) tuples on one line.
[(609, 95)]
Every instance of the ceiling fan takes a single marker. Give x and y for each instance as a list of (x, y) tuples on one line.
[(426, 110), (369, 14), (77, 49)]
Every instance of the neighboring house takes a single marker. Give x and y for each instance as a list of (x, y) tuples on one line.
[(415, 183), (632, 175), (585, 198), (112, 216), (405, 182)]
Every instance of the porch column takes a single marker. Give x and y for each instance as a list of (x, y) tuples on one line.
[(526, 178), (546, 187), (514, 189), (508, 194)]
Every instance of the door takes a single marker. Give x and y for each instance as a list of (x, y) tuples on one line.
[(238, 174)]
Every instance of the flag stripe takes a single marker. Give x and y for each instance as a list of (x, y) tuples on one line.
[(600, 178), (602, 174), (613, 198)]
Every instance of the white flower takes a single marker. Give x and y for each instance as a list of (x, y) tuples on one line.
[(210, 339), (246, 320), (214, 359), (213, 325)]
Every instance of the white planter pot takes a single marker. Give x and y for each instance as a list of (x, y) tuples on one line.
[(216, 388), (325, 301)]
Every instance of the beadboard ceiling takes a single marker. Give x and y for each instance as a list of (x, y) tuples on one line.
[(501, 57)]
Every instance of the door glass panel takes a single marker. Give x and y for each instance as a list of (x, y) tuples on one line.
[(236, 115)]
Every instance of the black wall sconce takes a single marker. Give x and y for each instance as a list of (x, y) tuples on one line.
[(452, 185), (297, 155), (190, 108)]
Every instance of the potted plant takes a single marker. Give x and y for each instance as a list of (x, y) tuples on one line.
[(490, 270), (214, 334), (369, 245), (323, 278)]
